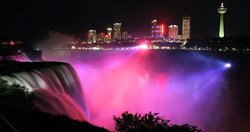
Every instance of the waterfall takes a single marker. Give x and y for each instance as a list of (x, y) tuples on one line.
[(56, 86), (21, 57)]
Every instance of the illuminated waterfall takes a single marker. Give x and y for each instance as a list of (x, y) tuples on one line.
[(187, 88), (15, 57), (56, 87)]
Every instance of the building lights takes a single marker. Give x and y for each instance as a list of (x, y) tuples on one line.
[(117, 31), (186, 28)]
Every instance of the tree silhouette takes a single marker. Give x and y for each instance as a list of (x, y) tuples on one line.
[(149, 122), (15, 94)]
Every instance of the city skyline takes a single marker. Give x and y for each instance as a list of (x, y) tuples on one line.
[(159, 32), (33, 20)]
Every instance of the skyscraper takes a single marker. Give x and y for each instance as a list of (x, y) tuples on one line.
[(186, 28), (92, 36), (125, 35), (109, 31), (221, 10), (173, 31), (100, 38), (156, 31), (117, 32)]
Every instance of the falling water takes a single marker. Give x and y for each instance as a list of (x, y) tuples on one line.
[(14, 57), (56, 86)]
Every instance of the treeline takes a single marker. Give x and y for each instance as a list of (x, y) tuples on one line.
[(230, 43)]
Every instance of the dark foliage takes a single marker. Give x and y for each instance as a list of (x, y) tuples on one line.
[(149, 122), (16, 95)]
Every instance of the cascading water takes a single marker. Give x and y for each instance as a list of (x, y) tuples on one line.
[(15, 57), (55, 85)]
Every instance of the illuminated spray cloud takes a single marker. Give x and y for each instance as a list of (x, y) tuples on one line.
[(183, 88)]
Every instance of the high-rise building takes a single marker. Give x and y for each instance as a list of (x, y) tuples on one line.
[(221, 10), (173, 31), (92, 36), (156, 30), (117, 32), (101, 38), (186, 28), (125, 35), (109, 31)]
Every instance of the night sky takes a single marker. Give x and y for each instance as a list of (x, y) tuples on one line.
[(33, 19)]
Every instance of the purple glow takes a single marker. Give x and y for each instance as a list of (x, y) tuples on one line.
[(178, 93)]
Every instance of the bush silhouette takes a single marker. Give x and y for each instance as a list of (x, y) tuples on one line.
[(15, 95), (149, 122)]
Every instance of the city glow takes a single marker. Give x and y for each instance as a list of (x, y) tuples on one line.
[(144, 46)]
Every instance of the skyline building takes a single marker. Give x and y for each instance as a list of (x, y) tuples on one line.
[(157, 31), (125, 35), (101, 38), (173, 31), (109, 31), (221, 10), (92, 38), (186, 28), (117, 32)]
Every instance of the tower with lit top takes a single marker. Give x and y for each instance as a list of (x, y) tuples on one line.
[(117, 32), (157, 31), (109, 31), (221, 10), (173, 31), (186, 27)]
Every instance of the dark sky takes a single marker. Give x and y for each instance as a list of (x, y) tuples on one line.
[(32, 19)]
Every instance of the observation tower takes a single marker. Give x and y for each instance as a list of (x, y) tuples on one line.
[(221, 10)]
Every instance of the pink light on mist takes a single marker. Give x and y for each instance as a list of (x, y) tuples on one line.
[(136, 86)]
